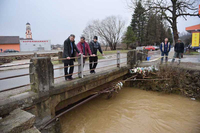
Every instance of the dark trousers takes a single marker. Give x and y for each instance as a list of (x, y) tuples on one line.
[(71, 69), (93, 62), (166, 56)]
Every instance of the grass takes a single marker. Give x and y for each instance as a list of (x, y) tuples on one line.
[(113, 52), (192, 53), (56, 62)]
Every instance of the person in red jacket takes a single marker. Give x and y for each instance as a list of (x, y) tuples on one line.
[(84, 49)]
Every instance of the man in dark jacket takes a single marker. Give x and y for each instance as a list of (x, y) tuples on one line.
[(69, 52), (165, 48), (94, 46), (179, 49)]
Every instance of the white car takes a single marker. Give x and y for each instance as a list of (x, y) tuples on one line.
[(140, 48), (156, 47)]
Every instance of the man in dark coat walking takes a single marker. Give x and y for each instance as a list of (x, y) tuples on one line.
[(69, 52), (179, 49), (94, 46)]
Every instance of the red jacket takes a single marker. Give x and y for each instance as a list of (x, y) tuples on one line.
[(87, 48)]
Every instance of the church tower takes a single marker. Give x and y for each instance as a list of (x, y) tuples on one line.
[(28, 31)]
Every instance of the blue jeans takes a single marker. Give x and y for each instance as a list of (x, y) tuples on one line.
[(166, 56)]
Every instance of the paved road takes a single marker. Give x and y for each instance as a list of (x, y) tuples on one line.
[(186, 58), (8, 83)]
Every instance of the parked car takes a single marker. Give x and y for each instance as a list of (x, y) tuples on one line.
[(156, 47), (10, 51), (150, 48), (192, 48)]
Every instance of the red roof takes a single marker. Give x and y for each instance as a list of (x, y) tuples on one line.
[(193, 28)]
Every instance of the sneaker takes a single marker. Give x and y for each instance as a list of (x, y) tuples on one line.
[(94, 71)]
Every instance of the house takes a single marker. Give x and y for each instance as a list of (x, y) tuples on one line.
[(9, 42)]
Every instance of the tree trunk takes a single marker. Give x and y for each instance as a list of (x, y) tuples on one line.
[(114, 46), (111, 46), (175, 31), (174, 21), (127, 46)]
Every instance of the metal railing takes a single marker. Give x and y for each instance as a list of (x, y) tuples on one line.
[(15, 76), (80, 71), (80, 64)]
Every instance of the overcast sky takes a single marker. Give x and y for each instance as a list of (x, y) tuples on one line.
[(57, 19)]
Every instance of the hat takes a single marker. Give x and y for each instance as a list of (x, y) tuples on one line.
[(179, 39), (95, 37)]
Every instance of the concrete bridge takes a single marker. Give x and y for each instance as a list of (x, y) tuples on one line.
[(34, 108)]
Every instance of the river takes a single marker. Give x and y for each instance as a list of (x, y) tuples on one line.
[(135, 111)]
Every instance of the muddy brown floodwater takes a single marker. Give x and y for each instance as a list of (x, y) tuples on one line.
[(135, 111)]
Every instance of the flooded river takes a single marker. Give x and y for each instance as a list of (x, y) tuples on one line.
[(135, 111)]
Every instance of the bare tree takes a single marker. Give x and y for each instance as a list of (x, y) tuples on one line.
[(171, 10), (109, 29), (89, 33)]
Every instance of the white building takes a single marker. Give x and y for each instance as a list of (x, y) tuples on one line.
[(35, 45), (28, 44)]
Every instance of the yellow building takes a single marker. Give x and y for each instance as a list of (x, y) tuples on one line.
[(195, 30)]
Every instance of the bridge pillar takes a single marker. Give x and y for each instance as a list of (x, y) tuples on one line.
[(42, 75), (131, 58)]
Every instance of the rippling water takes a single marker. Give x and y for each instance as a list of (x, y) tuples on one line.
[(135, 111)]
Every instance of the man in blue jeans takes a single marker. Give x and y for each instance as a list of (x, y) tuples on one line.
[(165, 48)]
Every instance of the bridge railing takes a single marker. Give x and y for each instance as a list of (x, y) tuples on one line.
[(80, 65), (41, 70), (15, 76)]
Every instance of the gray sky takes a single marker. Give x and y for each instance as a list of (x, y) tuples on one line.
[(57, 19)]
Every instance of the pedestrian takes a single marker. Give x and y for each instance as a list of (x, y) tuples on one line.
[(69, 52), (165, 49), (94, 46), (179, 49), (84, 49)]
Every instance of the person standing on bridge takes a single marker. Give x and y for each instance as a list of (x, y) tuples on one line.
[(165, 48), (94, 46), (69, 52), (179, 49), (84, 48)]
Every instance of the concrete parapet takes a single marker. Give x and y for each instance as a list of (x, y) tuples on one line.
[(42, 74)]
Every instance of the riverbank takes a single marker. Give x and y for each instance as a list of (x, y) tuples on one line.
[(182, 80)]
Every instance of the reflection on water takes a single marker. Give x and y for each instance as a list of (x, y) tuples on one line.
[(135, 111)]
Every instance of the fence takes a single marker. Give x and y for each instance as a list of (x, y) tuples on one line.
[(16, 76), (81, 65), (40, 66)]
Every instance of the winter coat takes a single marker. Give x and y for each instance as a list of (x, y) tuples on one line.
[(179, 47), (162, 47), (87, 48), (67, 49), (94, 46)]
